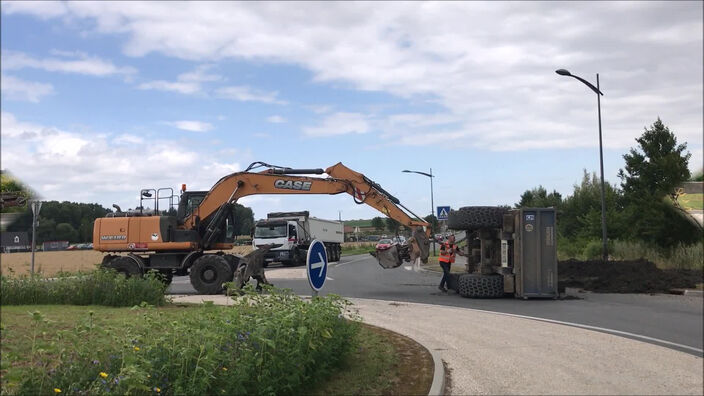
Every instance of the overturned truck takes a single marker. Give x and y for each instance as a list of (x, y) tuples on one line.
[(509, 252)]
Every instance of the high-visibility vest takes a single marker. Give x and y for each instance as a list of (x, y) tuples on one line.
[(446, 257)]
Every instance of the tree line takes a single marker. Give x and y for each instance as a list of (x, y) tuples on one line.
[(639, 208), (73, 221)]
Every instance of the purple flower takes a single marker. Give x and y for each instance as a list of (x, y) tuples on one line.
[(96, 362)]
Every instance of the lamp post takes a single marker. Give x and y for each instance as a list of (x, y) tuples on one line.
[(432, 204), (599, 94)]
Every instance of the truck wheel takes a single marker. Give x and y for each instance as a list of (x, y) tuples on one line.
[(476, 217), (481, 286), (209, 272), (125, 265)]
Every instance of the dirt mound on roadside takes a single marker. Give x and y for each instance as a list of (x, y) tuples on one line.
[(637, 276)]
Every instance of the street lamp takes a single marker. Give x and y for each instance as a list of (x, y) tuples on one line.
[(432, 204), (599, 94)]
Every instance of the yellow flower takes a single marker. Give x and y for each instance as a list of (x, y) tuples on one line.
[(158, 390), (149, 376), (104, 375), (57, 390), (136, 349), (224, 369)]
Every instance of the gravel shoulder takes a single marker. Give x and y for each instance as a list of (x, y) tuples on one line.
[(495, 354)]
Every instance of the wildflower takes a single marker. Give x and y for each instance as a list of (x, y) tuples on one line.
[(136, 349), (157, 389), (104, 375), (57, 390), (149, 376), (96, 362), (224, 369)]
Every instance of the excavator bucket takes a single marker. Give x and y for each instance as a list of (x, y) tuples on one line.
[(394, 256), (389, 257)]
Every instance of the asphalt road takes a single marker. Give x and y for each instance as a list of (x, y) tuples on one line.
[(668, 320)]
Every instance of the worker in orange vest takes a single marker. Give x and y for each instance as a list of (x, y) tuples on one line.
[(448, 249)]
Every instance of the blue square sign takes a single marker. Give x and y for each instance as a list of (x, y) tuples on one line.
[(443, 211)]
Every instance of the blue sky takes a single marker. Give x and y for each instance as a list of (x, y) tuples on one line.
[(102, 99)]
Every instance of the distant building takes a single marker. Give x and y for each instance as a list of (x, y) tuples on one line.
[(14, 242), (54, 245)]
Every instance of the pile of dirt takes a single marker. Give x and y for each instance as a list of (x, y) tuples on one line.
[(637, 276)]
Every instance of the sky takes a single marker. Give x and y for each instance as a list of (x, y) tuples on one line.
[(102, 99)]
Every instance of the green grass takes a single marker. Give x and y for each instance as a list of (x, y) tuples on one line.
[(691, 201), (263, 344), (367, 370), (681, 257), (98, 287), (350, 251)]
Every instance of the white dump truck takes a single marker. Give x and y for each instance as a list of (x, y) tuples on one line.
[(294, 231)]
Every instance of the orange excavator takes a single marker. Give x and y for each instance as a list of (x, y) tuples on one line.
[(194, 238)]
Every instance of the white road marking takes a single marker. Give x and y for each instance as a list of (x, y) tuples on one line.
[(603, 329), (352, 261)]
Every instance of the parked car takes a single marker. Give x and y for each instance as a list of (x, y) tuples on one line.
[(384, 244), (399, 240)]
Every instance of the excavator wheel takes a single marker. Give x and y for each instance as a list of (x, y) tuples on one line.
[(476, 217), (209, 272), (481, 286), (125, 265)]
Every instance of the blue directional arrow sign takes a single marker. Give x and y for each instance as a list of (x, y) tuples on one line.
[(443, 211), (317, 265)]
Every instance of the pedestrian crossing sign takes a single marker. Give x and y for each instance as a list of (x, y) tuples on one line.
[(443, 211)]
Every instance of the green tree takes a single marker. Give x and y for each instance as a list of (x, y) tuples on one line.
[(539, 198), (378, 224), (580, 213), (66, 232), (244, 220), (652, 172), (392, 225), (433, 221), (657, 166)]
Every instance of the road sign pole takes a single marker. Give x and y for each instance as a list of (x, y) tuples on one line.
[(36, 207)]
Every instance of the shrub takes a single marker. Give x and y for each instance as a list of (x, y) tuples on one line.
[(94, 288), (274, 344)]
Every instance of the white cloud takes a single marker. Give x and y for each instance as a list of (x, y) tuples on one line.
[(83, 64), (276, 119), (339, 124), (114, 167), (17, 89), (192, 126), (248, 94), (172, 86), (128, 139), (186, 83), (491, 65)]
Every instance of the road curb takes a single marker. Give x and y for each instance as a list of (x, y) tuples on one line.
[(438, 385)]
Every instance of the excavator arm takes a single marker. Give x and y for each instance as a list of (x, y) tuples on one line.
[(279, 180)]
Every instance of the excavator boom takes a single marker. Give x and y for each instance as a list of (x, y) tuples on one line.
[(287, 181), (278, 180)]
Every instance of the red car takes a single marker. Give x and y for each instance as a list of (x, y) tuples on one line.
[(383, 244)]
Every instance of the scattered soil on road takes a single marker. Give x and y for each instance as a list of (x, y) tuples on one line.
[(636, 276)]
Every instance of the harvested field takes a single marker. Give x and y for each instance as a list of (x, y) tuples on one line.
[(51, 263), (635, 276)]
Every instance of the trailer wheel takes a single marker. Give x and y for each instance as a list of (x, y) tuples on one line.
[(476, 217), (125, 265), (209, 272), (481, 286)]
